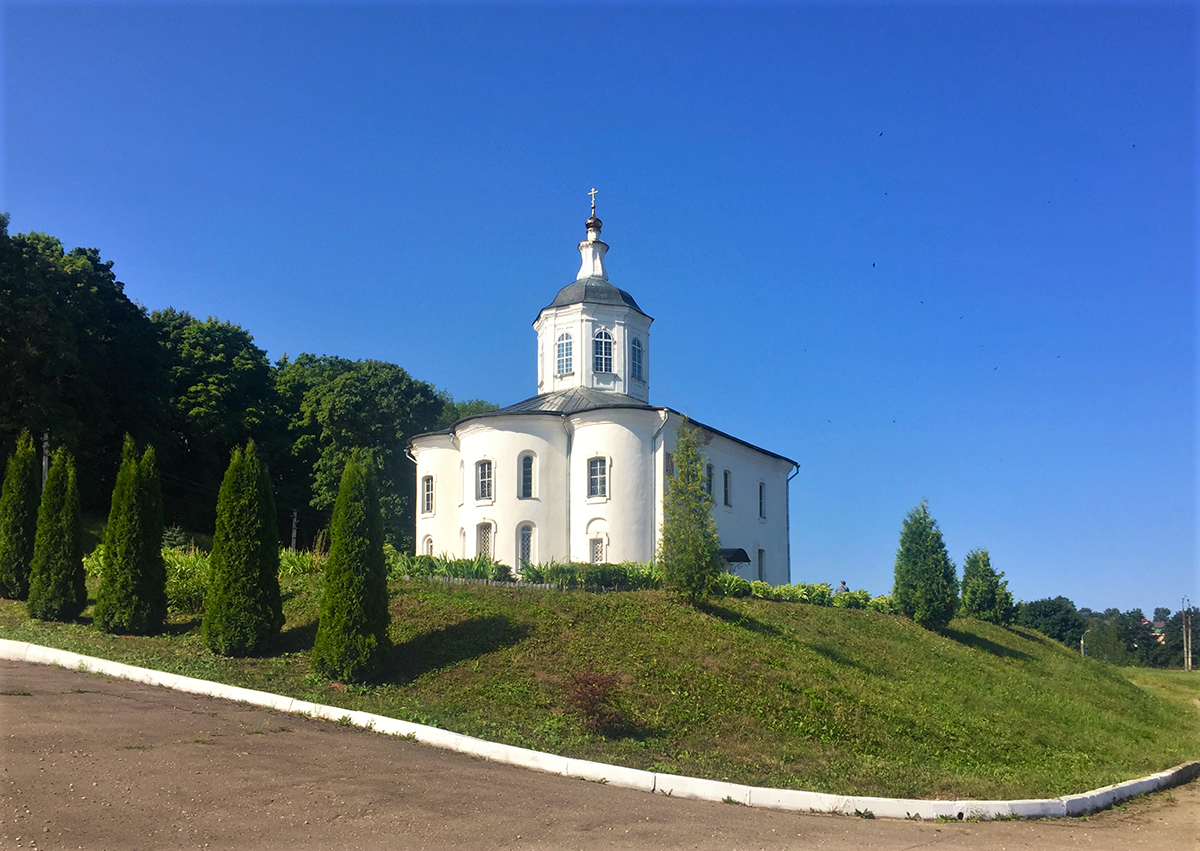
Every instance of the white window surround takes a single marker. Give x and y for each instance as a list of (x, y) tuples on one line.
[(485, 481), (526, 550), (727, 489), (527, 476), (602, 351), (427, 503), (485, 539), (427, 546), (599, 468), (596, 549), (563, 357)]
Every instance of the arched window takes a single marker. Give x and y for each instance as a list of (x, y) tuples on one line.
[(727, 488), (708, 477), (635, 359), (483, 539), (525, 489), (563, 355), (427, 546), (602, 352), (525, 545)]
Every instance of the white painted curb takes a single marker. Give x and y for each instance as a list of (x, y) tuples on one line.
[(615, 775)]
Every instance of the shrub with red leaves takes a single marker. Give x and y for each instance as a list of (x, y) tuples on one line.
[(592, 694)]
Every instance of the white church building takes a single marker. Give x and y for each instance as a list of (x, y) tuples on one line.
[(576, 472)]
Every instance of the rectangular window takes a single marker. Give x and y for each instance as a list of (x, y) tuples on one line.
[(762, 500), (597, 477), (427, 495), (728, 487), (668, 464), (483, 480), (597, 550), (635, 359), (708, 477), (762, 565), (483, 539)]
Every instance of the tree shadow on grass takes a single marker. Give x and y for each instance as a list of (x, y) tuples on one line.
[(181, 627), (298, 639), (981, 643), (452, 644), (837, 656), (738, 619)]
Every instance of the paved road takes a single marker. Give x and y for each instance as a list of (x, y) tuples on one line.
[(97, 763)]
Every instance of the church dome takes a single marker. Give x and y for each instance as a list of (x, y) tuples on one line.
[(593, 290)]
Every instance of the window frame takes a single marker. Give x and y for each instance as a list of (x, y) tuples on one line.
[(709, 472), (482, 493), (526, 476), (596, 550), (525, 544), (564, 361), (762, 500), (488, 528), (602, 351), (727, 488), (597, 477), (427, 501), (635, 360)]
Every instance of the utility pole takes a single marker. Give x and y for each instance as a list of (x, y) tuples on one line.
[(293, 530), (45, 457), (1186, 615)]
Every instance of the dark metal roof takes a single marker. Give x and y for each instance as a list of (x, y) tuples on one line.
[(735, 556), (579, 399), (592, 291), (566, 402)]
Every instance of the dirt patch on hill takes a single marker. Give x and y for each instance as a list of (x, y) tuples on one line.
[(92, 762)]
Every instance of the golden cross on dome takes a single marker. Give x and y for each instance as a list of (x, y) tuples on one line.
[(593, 194)]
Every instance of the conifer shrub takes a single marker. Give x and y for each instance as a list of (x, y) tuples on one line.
[(57, 588), (18, 518), (926, 583), (243, 609), (351, 643), (132, 597), (689, 549), (985, 594)]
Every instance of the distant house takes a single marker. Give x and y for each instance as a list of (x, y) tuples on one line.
[(576, 472)]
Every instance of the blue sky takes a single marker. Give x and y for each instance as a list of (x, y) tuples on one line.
[(930, 252)]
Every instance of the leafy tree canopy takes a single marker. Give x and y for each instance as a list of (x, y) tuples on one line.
[(341, 408), (1055, 617)]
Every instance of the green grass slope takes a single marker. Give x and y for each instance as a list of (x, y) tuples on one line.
[(774, 694)]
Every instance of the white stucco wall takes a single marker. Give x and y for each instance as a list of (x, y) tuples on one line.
[(582, 321), (565, 518)]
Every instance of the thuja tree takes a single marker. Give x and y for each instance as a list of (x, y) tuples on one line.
[(351, 643), (18, 518), (926, 585), (984, 593), (243, 609), (689, 551), (132, 597), (56, 579)]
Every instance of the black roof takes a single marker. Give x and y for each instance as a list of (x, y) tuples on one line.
[(592, 291)]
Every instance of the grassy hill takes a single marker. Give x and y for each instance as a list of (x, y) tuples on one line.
[(832, 700)]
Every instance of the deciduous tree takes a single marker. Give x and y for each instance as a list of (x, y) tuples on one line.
[(1055, 617), (926, 584)]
